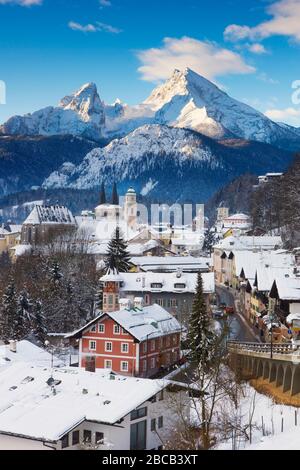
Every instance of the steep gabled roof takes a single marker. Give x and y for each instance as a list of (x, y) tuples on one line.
[(50, 215)]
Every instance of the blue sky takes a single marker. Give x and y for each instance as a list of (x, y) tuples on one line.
[(49, 48)]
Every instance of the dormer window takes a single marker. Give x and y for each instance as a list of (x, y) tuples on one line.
[(156, 285), (179, 285)]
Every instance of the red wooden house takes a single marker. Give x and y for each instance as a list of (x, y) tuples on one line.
[(129, 339)]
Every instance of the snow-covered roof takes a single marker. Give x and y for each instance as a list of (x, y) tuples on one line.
[(244, 242), (3, 232), (28, 353), (102, 230), (112, 275), (134, 249), (250, 262), (238, 217), (172, 263), (20, 250), (288, 288), (15, 228), (165, 282), (265, 276), (149, 322), (29, 407), (50, 215), (194, 240)]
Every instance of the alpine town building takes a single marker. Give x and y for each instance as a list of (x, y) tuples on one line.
[(127, 337)]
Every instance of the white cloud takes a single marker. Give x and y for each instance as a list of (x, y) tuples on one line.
[(257, 48), (204, 57), (93, 28), (284, 22), (105, 3), (22, 3), (265, 78), (88, 28), (289, 115)]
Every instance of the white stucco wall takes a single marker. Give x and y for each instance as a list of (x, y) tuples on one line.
[(116, 437)]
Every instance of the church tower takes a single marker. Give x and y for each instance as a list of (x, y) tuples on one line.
[(102, 195), (130, 208)]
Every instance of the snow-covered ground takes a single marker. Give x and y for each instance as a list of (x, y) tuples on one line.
[(281, 424)]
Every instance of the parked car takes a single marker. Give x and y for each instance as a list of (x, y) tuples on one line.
[(229, 310), (218, 314), (223, 305)]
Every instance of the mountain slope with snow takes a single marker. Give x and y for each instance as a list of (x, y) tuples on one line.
[(169, 164), (25, 161), (188, 100), (80, 114)]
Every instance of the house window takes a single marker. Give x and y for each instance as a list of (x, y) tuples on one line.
[(99, 438), (156, 285), (147, 299), (144, 347), (168, 341), (108, 346), (108, 364), (161, 396), (124, 332), (65, 441), (160, 422), (160, 302), (75, 438), (137, 414), (179, 285), (101, 328), (153, 345), (93, 345), (153, 363), (174, 339), (168, 358), (117, 329), (153, 424), (124, 366), (125, 348), (93, 329), (172, 303), (144, 366), (138, 436), (87, 436), (110, 300)]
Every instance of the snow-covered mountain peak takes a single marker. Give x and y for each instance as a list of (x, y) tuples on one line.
[(85, 102), (79, 114), (188, 100)]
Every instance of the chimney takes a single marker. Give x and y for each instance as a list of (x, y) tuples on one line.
[(125, 304), (139, 303), (13, 346)]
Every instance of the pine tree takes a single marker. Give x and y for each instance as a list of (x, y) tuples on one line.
[(209, 240), (23, 314), (71, 318), (39, 327), (200, 336), (8, 318), (118, 257), (99, 297), (55, 273)]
